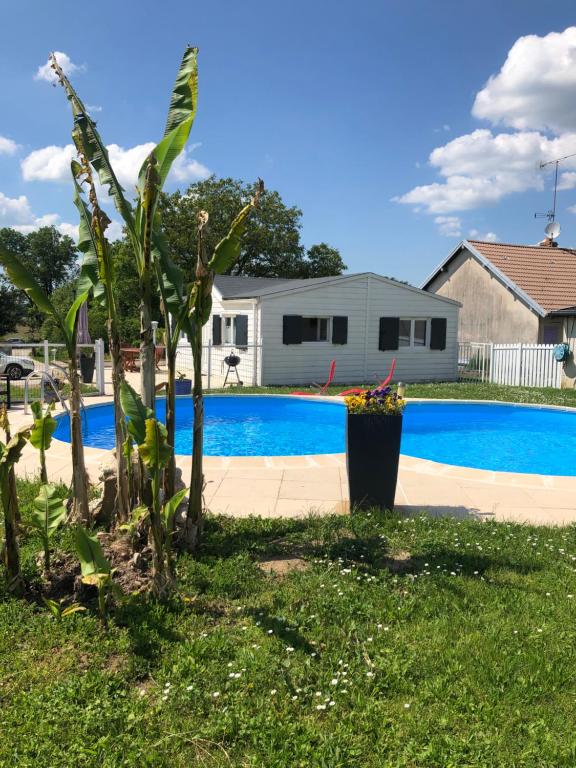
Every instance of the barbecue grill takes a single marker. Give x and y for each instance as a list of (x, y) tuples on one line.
[(232, 361)]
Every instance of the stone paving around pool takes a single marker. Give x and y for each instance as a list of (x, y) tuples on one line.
[(296, 486)]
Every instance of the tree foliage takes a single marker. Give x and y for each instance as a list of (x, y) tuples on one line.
[(271, 245), (50, 256)]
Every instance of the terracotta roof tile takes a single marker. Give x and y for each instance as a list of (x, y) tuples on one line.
[(547, 275)]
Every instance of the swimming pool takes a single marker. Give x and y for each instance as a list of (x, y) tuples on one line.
[(500, 437)]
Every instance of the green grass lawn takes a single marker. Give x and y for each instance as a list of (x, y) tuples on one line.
[(404, 642), (448, 390)]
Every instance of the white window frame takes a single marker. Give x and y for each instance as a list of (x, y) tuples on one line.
[(328, 328), (412, 321)]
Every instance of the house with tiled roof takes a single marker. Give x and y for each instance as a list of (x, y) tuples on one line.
[(510, 293)]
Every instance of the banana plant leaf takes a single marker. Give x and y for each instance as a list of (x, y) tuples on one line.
[(228, 249), (11, 451), (23, 278), (170, 507), (90, 554), (44, 426), (71, 320), (48, 512), (135, 411), (89, 278), (155, 451), (181, 114)]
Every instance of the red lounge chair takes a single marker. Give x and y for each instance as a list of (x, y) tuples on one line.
[(383, 384), (325, 387)]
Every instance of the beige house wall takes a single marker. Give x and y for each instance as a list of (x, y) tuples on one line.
[(490, 311)]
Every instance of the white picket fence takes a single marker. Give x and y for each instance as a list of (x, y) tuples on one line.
[(519, 365)]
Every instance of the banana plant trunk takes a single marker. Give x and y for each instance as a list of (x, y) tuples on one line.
[(122, 487), (80, 513), (194, 518), (12, 554), (147, 352), (162, 581), (170, 471)]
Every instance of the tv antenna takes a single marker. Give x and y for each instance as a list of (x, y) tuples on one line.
[(553, 228)]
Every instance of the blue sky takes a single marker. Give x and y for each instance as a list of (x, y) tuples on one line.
[(339, 106)]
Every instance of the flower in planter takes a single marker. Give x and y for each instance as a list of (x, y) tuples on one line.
[(383, 401)]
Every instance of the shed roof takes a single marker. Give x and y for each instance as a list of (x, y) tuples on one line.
[(239, 287)]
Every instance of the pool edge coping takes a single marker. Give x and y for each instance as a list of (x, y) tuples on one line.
[(411, 464)]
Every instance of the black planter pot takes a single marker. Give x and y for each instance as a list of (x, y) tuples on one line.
[(87, 363), (183, 386), (372, 455)]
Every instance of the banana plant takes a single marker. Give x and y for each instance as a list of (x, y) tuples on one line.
[(199, 305), (143, 223), (154, 452), (24, 279), (10, 453), (48, 513), (60, 610), (41, 433), (95, 568)]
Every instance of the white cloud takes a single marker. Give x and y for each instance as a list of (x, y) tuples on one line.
[(45, 71), (93, 108), (490, 237), (481, 168), (449, 226), (7, 146), (532, 93), (68, 229), (16, 212), (53, 164), (48, 164), (114, 230), (187, 169), (535, 87)]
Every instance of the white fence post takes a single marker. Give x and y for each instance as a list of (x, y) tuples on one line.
[(209, 375), (519, 365), (46, 356), (99, 364)]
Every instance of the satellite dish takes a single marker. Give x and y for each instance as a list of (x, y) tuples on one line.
[(552, 230)]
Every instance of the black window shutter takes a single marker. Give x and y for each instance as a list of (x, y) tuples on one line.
[(216, 330), (292, 329), (241, 330), (389, 333), (339, 330), (438, 333)]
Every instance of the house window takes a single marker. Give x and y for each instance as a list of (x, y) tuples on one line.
[(413, 332), (228, 328), (315, 328)]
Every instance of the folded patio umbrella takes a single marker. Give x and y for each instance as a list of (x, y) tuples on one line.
[(82, 332)]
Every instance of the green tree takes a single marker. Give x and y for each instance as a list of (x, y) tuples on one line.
[(323, 261), (12, 307), (49, 255), (271, 244)]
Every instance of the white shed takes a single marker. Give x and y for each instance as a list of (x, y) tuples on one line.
[(287, 331)]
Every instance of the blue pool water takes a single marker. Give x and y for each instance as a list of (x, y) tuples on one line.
[(505, 438)]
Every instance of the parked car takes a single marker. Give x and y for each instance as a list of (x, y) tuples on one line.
[(15, 367)]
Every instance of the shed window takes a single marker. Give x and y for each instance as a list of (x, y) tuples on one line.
[(230, 329), (315, 328), (414, 332)]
